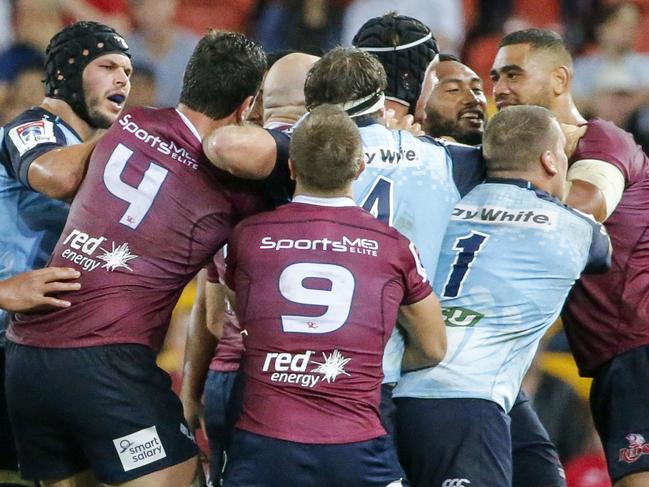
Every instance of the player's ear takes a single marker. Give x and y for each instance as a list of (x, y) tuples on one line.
[(560, 80), (242, 112), (291, 169), (548, 163), (361, 168)]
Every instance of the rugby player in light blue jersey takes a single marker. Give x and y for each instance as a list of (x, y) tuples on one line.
[(510, 256), (86, 83)]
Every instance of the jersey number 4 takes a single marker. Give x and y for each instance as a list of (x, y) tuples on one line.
[(336, 296), (139, 199), (468, 246), (379, 200)]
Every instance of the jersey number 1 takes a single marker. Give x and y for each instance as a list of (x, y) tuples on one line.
[(141, 198), (469, 246)]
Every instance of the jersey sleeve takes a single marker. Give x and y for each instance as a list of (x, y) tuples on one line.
[(278, 185), (417, 285), (468, 166), (27, 141), (599, 254), (606, 142)]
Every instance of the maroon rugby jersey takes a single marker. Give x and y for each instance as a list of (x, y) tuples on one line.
[(318, 284), (608, 314), (150, 213), (229, 350)]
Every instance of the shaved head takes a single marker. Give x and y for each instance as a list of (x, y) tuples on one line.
[(284, 86)]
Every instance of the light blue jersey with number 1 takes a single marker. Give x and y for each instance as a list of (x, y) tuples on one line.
[(510, 255)]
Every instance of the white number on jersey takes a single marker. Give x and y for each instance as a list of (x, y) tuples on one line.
[(338, 299), (141, 198)]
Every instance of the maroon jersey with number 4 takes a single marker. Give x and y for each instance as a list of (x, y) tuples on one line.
[(150, 213), (608, 314), (318, 285)]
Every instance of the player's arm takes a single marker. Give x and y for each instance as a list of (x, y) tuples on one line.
[(29, 290), (426, 333), (248, 151), (58, 173), (199, 349), (596, 187)]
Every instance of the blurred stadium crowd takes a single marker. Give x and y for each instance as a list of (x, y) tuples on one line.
[(609, 40)]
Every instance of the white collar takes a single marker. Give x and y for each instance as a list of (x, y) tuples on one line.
[(190, 125), (323, 201)]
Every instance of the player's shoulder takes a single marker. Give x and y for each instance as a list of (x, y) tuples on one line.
[(605, 136), (568, 212)]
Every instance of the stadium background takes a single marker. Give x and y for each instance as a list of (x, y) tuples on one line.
[(609, 40)]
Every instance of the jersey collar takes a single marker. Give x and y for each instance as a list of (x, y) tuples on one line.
[(521, 183), (338, 201)]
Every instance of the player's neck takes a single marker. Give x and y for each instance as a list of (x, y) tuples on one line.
[(566, 111), (289, 115), (61, 109), (203, 123), (300, 190)]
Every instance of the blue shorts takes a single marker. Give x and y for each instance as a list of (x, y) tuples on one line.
[(260, 461), (620, 409), (534, 457), (107, 408), (458, 442), (388, 409), (222, 408)]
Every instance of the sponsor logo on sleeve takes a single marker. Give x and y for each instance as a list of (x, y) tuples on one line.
[(303, 370), (139, 448), (494, 215), (91, 252), (28, 135), (637, 448)]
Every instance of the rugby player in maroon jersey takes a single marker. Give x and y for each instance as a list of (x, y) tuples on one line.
[(318, 284), (606, 317), (85, 396)]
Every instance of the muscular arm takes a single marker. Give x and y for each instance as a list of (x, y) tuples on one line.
[(244, 151), (199, 349), (426, 340), (58, 173), (29, 290), (588, 198)]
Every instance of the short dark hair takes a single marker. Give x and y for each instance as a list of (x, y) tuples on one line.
[(516, 137), (540, 40), (341, 75), (326, 149), (225, 69), (448, 57)]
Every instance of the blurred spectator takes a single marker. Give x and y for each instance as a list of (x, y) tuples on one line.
[(615, 96), (6, 29), (444, 17), (143, 86), (563, 413), (638, 125), (36, 21), (110, 12), (158, 42), (25, 88), (310, 26), (589, 469), (199, 15), (616, 31)]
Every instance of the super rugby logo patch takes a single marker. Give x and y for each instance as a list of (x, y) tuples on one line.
[(28, 135), (637, 448)]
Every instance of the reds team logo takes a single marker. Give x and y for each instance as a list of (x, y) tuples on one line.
[(637, 447)]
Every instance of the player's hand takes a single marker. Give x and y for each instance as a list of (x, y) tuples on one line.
[(573, 133), (406, 123), (29, 290)]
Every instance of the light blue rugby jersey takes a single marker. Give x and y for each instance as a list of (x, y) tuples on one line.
[(30, 223), (413, 184), (510, 255)]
